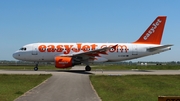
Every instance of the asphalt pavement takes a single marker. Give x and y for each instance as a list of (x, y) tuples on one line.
[(63, 86)]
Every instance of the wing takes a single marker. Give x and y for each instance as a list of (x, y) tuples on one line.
[(90, 55)]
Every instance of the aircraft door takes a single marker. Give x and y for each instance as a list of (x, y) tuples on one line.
[(34, 50), (135, 50)]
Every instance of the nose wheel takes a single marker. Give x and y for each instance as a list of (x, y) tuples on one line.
[(88, 68), (35, 68)]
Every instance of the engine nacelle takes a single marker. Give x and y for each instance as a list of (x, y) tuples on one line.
[(63, 62)]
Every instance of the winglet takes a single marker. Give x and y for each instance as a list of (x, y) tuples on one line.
[(153, 34)]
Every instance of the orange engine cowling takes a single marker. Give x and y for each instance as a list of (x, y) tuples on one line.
[(63, 62)]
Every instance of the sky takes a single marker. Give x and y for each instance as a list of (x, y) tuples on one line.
[(119, 21)]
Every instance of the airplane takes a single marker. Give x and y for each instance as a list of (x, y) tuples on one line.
[(65, 55)]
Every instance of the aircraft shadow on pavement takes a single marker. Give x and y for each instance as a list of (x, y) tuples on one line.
[(142, 71), (71, 71)]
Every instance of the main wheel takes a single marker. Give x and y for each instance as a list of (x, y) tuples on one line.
[(35, 68), (88, 68)]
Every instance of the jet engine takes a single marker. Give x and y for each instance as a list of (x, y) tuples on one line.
[(63, 62)]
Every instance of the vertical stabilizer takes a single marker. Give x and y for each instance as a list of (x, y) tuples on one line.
[(153, 34)]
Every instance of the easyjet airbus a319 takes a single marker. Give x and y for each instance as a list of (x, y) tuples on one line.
[(66, 55)]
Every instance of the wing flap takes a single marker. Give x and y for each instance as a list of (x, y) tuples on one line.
[(96, 52)]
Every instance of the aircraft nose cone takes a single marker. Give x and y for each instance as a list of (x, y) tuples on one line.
[(16, 55)]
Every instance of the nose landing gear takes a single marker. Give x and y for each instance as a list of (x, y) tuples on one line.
[(36, 67)]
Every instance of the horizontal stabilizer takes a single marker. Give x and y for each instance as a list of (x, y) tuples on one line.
[(158, 48)]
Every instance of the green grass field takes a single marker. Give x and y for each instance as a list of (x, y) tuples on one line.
[(94, 67), (129, 67), (136, 87), (13, 86)]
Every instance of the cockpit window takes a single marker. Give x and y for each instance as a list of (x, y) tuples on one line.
[(23, 48)]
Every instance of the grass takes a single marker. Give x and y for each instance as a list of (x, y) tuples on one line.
[(13, 86), (129, 67), (94, 67), (136, 87)]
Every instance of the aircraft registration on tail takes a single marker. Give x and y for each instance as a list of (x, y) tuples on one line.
[(66, 55)]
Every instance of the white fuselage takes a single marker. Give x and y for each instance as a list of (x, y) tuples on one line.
[(48, 51)]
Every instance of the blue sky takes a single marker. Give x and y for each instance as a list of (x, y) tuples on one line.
[(28, 21)]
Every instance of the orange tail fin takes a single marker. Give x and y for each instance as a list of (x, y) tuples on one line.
[(153, 34)]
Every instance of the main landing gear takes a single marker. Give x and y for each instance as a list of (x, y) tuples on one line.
[(36, 67), (88, 68)]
